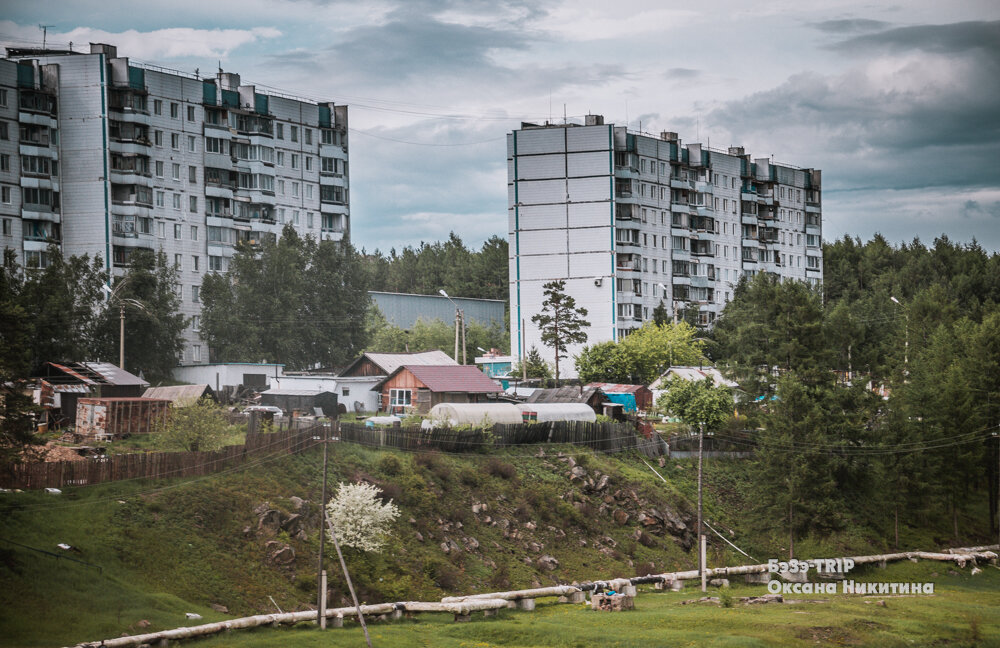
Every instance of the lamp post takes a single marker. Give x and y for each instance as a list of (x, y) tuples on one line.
[(122, 303), (459, 317)]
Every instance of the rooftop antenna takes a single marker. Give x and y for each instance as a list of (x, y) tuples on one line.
[(45, 33), (564, 114), (550, 105)]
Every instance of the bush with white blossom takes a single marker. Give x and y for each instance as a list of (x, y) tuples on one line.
[(361, 519)]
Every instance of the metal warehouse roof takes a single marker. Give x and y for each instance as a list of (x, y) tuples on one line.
[(403, 310), (693, 373)]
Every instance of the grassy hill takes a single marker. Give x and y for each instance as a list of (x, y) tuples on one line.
[(160, 550)]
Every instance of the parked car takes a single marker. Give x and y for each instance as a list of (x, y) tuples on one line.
[(267, 409)]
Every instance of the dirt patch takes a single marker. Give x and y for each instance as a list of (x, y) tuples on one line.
[(865, 624), (829, 635), (54, 452)]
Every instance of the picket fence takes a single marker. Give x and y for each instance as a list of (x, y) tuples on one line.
[(599, 437), (156, 465)]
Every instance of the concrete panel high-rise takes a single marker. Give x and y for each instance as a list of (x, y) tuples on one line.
[(631, 221), (100, 155)]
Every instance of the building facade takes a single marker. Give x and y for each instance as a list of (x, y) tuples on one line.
[(101, 156), (631, 221)]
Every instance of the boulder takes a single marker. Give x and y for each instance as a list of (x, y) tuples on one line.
[(602, 483), (280, 554), (269, 520), (621, 517), (292, 523), (219, 608), (470, 543), (577, 472), (297, 502), (548, 562)]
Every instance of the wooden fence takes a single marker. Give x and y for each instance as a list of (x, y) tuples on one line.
[(156, 465), (600, 437)]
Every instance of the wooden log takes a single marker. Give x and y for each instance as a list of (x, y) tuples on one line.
[(558, 590)]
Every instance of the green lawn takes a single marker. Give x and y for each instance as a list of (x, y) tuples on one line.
[(964, 611)]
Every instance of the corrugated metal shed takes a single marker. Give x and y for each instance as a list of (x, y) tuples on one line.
[(403, 309), (181, 395), (566, 395), (545, 412)]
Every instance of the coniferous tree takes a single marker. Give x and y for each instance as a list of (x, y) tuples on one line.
[(561, 322)]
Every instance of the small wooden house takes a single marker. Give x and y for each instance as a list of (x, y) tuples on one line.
[(418, 388), (643, 396)]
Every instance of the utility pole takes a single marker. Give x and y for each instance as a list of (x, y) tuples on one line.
[(524, 352), (350, 586), (121, 335), (461, 317), (701, 535), (456, 334), (321, 573)]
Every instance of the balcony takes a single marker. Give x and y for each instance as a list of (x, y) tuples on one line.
[(813, 208), (626, 173)]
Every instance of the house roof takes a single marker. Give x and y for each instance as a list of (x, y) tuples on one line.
[(390, 362), (616, 388), (91, 373), (180, 395), (448, 378), (564, 395), (296, 392), (693, 373)]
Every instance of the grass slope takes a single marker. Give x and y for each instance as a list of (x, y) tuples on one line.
[(177, 546)]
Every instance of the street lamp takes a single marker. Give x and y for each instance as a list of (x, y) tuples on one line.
[(459, 317), (122, 303)]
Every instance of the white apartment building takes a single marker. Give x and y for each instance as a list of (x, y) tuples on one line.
[(101, 156), (630, 221)]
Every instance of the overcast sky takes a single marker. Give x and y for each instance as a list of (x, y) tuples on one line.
[(898, 104)]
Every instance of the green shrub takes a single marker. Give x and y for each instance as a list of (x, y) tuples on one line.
[(469, 477), (500, 468), (390, 464)]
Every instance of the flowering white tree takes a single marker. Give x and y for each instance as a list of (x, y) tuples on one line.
[(360, 519)]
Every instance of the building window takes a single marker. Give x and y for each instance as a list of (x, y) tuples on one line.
[(194, 232), (191, 144), (196, 323), (309, 191), (195, 261), (177, 231), (158, 138), (309, 136), (161, 230), (295, 217), (215, 263), (7, 228), (309, 219), (190, 111), (160, 200), (399, 398), (175, 141), (5, 162), (3, 131), (295, 187), (174, 110), (346, 391), (175, 171), (195, 294), (157, 107), (159, 168), (196, 353), (177, 201), (295, 160), (309, 163), (295, 133), (193, 175), (279, 130), (193, 204), (281, 158), (178, 262)]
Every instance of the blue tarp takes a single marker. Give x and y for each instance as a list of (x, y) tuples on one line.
[(628, 400)]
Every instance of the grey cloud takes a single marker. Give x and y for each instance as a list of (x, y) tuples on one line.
[(948, 39), (973, 208), (850, 26), (681, 73)]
